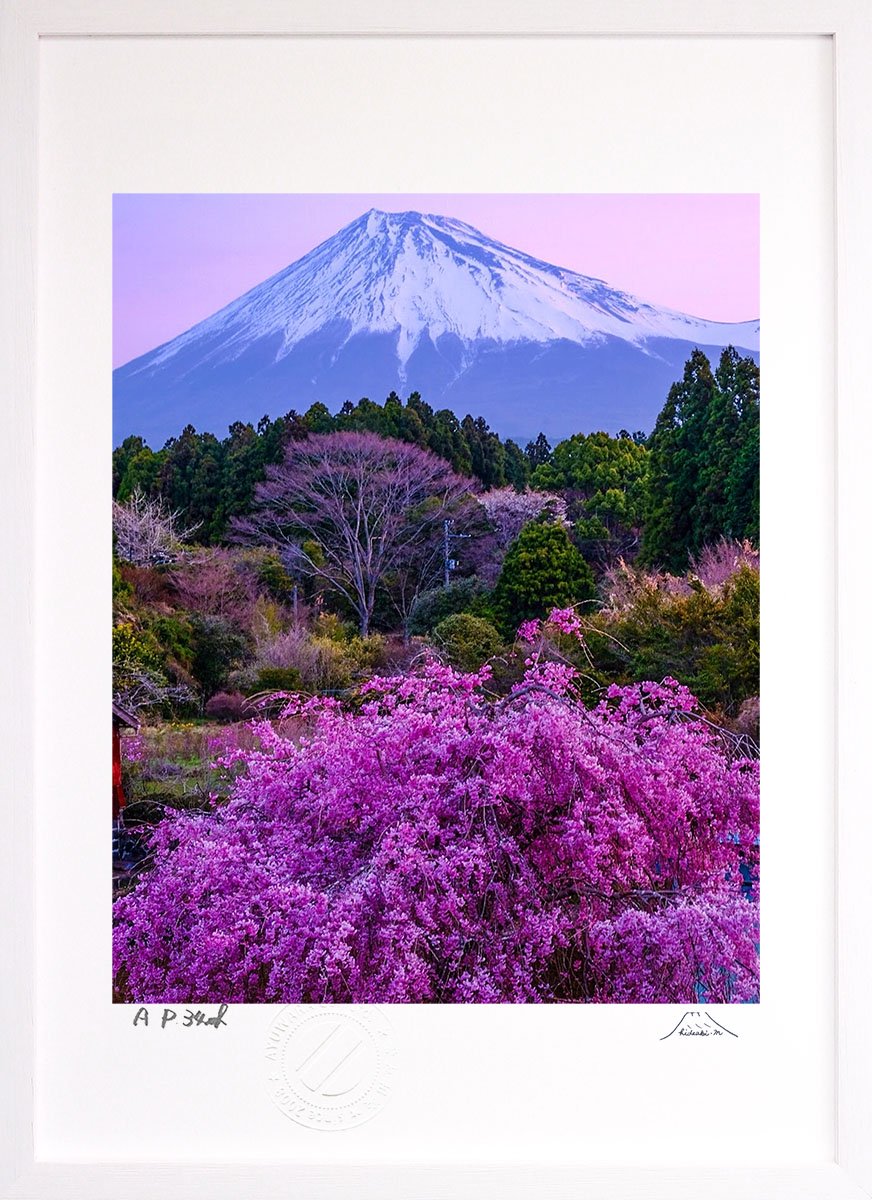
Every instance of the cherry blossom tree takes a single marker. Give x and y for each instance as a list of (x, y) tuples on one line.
[(146, 532), (509, 511), (213, 582), (435, 843)]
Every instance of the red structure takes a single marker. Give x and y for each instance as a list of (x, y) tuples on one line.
[(120, 717)]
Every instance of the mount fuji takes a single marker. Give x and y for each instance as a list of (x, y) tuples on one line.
[(413, 302)]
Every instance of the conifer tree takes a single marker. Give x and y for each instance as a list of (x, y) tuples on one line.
[(542, 570), (704, 461)]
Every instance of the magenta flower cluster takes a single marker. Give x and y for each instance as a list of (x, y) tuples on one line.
[(435, 843), (133, 748), (560, 620)]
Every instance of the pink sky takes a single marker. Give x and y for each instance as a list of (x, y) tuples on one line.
[(179, 258)]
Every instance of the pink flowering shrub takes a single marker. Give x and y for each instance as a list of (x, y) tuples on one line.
[(434, 843), (132, 748), (626, 584)]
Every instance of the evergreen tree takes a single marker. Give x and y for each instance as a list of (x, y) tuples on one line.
[(542, 570), (704, 461), (486, 451), (317, 418), (135, 467), (607, 476), (516, 465), (539, 452)]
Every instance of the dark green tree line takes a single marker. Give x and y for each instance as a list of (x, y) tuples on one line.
[(704, 461), (210, 480)]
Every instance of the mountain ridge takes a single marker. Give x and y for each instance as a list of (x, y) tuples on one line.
[(399, 300)]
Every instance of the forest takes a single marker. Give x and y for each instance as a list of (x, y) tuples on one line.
[(418, 714)]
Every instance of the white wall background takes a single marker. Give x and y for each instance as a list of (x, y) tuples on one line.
[(550, 1084)]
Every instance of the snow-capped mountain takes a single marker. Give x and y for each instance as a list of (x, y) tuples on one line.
[(410, 301)]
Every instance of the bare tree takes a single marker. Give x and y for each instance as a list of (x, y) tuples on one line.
[(212, 582), (146, 533), (138, 690), (354, 509)]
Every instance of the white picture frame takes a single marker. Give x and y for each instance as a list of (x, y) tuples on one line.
[(22, 24)]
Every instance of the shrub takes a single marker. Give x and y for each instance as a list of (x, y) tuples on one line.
[(467, 641), (462, 595), (366, 653), (329, 625), (174, 633), (122, 592), (227, 706), (219, 647), (267, 619), (138, 678), (716, 565), (271, 574), (323, 662), (626, 584), (433, 845), (673, 625), (277, 679)]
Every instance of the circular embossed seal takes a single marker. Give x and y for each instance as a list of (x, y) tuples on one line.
[(330, 1068)]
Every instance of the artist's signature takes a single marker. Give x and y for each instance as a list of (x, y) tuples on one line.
[(186, 1018), (696, 1023)]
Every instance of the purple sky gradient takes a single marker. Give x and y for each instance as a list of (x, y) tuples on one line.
[(179, 258)]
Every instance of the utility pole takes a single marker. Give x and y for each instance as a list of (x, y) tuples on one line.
[(449, 563)]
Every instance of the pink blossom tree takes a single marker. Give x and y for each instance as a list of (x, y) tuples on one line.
[(212, 581), (509, 511), (434, 843), (146, 532)]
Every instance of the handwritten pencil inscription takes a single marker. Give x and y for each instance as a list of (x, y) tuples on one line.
[(185, 1018), (699, 1024)]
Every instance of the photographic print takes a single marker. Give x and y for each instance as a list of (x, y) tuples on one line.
[(435, 572)]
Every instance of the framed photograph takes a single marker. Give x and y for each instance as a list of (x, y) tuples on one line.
[(435, 444)]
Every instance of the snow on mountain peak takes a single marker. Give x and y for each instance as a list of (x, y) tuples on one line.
[(421, 276)]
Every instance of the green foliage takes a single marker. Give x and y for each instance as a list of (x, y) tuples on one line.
[(591, 529), (134, 467), (205, 480), (538, 453), (329, 666), (595, 465), (218, 649), (468, 641), (517, 466), (133, 650), (272, 576), (606, 479), (276, 679), (122, 592), (332, 627), (705, 449), (694, 480), (137, 665), (707, 639), (317, 419), (365, 653), (462, 595), (174, 633), (208, 481), (542, 570)]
